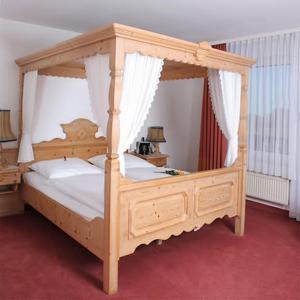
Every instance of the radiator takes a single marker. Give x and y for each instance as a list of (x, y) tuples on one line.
[(269, 188)]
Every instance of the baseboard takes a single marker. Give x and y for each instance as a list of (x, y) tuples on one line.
[(267, 203)]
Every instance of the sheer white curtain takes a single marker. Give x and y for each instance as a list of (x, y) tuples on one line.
[(268, 103), (30, 111), (140, 81), (294, 125), (98, 78), (274, 138), (225, 90)]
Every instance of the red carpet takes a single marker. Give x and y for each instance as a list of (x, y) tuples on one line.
[(38, 261)]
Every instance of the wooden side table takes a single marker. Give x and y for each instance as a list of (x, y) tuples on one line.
[(159, 160), (10, 202)]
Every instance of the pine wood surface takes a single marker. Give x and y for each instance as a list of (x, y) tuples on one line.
[(136, 213)]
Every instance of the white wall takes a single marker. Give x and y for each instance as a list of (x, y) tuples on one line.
[(61, 101), (177, 107), (18, 39)]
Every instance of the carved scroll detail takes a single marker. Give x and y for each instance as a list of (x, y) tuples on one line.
[(80, 142), (203, 50)]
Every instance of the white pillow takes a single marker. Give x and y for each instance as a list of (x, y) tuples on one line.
[(59, 168), (131, 161)]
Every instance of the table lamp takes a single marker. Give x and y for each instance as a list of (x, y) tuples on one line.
[(156, 136), (6, 134)]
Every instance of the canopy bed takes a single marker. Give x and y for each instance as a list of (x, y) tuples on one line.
[(137, 212)]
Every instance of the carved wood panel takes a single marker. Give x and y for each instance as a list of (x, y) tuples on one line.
[(158, 209), (216, 193), (156, 213)]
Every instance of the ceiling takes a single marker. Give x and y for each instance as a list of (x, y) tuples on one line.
[(193, 20)]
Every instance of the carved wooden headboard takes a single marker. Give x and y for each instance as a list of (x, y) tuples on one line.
[(80, 142)]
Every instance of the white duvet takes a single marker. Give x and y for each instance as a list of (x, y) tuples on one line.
[(148, 173), (89, 189), (86, 189), (84, 194)]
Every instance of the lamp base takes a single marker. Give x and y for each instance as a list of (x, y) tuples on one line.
[(156, 148)]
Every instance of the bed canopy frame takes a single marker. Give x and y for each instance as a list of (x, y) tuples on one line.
[(139, 212)]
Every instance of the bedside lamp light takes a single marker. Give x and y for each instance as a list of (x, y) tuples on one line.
[(156, 136), (6, 134)]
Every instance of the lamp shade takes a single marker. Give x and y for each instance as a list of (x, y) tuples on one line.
[(156, 134), (6, 134)]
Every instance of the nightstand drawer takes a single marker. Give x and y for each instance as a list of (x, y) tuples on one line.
[(10, 178), (158, 161), (10, 203)]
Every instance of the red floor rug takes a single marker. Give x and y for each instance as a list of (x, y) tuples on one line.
[(38, 261)]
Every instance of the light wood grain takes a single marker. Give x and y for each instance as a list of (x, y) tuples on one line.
[(171, 71), (112, 171), (160, 208), (89, 234), (139, 212), (10, 202), (80, 142), (97, 41)]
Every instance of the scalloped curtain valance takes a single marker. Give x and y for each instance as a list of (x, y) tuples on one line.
[(225, 89)]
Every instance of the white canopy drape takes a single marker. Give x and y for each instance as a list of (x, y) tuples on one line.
[(98, 78), (225, 89), (29, 112), (140, 81)]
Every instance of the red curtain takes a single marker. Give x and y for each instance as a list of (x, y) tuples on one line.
[(213, 144)]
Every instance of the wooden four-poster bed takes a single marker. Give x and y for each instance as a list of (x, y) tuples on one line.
[(137, 212)]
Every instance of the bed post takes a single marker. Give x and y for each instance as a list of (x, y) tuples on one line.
[(112, 171), (240, 218)]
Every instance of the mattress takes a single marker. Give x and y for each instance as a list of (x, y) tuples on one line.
[(47, 187), (84, 194)]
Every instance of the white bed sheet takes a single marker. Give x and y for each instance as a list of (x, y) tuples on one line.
[(45, 186), (84, 194), (148, 173)]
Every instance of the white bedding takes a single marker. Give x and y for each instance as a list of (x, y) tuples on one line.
[(138, 174), (84, 194), (45, 186)]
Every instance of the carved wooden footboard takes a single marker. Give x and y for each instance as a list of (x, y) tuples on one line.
[(152, 211)]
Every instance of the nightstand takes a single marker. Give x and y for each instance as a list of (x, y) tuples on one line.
[(10, 202), (159, 159)]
